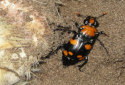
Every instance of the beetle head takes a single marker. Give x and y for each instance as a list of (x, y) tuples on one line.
[(92, 21)]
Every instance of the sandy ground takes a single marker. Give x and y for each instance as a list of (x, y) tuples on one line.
[(100, 69)]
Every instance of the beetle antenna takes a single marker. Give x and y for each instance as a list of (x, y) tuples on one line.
[(101, 15), (79, 15)]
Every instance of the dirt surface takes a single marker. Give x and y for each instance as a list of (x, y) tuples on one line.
[(100, 69)]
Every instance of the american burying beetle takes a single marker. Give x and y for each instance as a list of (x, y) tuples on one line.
[(80, 45)]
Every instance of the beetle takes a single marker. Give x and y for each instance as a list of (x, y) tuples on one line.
[(80, 45)]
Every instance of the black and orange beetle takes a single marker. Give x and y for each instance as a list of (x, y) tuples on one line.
[(80, 45)]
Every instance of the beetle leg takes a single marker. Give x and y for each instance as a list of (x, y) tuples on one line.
[(103, 47), (64, 30), (86, 60), (54, 51), (101, 32), (76, 24), (79, 27)]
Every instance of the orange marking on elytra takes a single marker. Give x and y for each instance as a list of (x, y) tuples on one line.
[(65, 52), (80, 57), (88, 30), (74, 42), (88, 46), (70, 53)]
